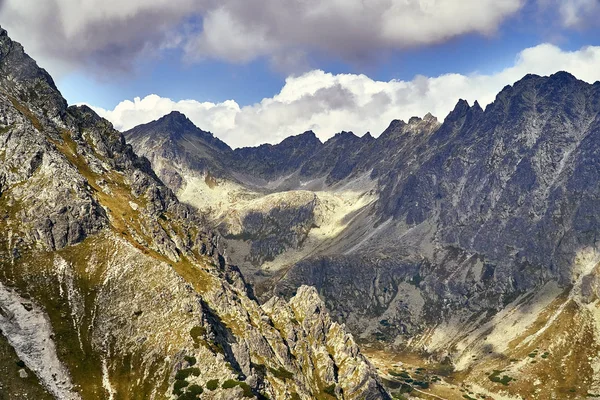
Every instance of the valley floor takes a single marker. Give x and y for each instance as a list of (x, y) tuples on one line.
[(410, 376)]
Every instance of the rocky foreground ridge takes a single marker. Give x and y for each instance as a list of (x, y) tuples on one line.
[(110, 288)]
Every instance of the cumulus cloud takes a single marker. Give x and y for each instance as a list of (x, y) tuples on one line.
[(106, 35), (328, 103), (111, 34), (239, 30), (576, 13)]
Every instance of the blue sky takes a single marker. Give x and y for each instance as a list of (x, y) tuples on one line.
[(168, 74), (259, 71)]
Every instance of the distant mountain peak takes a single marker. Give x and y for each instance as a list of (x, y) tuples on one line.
[(176, 114), (308, 134), (477, 106), (430, 117), (460, 110), (533, 79), (177, 128), (308, 138), (368, 137), (563, 75), (20, 74), (396, 124), (342, 137), (174, 124), (414, 120), (176, 117)]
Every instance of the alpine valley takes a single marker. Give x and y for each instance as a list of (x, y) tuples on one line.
[(464, 251), (454, 260), (113, 289)]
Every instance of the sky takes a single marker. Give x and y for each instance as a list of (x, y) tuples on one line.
[(258, 71)]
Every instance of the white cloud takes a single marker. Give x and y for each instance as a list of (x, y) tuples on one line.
[(328, 103), (576, 13), (239, 30), (106, 35), (111, 34)]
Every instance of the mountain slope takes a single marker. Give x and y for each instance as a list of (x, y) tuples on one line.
[(477, 242), (110, 288), (485, 249), (275, 204)]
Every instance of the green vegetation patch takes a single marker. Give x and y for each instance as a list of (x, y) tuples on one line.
[(402, 374), (178, 386), (281, 373), (495, 377), (213, 384), (421, 384), (231, 383), (190, 360), (197, 332), (533, 354), (195, 389), (330, 390), (183, 374), (193, 392)]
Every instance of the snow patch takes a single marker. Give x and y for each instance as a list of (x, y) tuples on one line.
[(106, 381), (75, 299), (29, 333)]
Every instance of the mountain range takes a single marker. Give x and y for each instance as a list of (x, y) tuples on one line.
[(457, 259), (111, 288), (471, 242)]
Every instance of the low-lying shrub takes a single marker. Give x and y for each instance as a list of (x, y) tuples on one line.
[(213, 384)]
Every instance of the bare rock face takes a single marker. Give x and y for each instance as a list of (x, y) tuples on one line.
[(334, 351), (471, 220), (273, 224), (110, 288), (490, 207)]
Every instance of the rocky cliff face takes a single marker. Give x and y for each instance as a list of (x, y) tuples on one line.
[(472, 225), (482, 243), (110, 288), (267, 202), (494, 201)]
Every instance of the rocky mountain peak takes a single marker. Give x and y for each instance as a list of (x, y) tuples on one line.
[(427, 124), (175, 117), (395, 125), (342, 137), (414, 120), (177, 122), (430, 118), (24, 80), (307, 301), (308, 138), (460, 109), (563, 76), (175, 126)]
